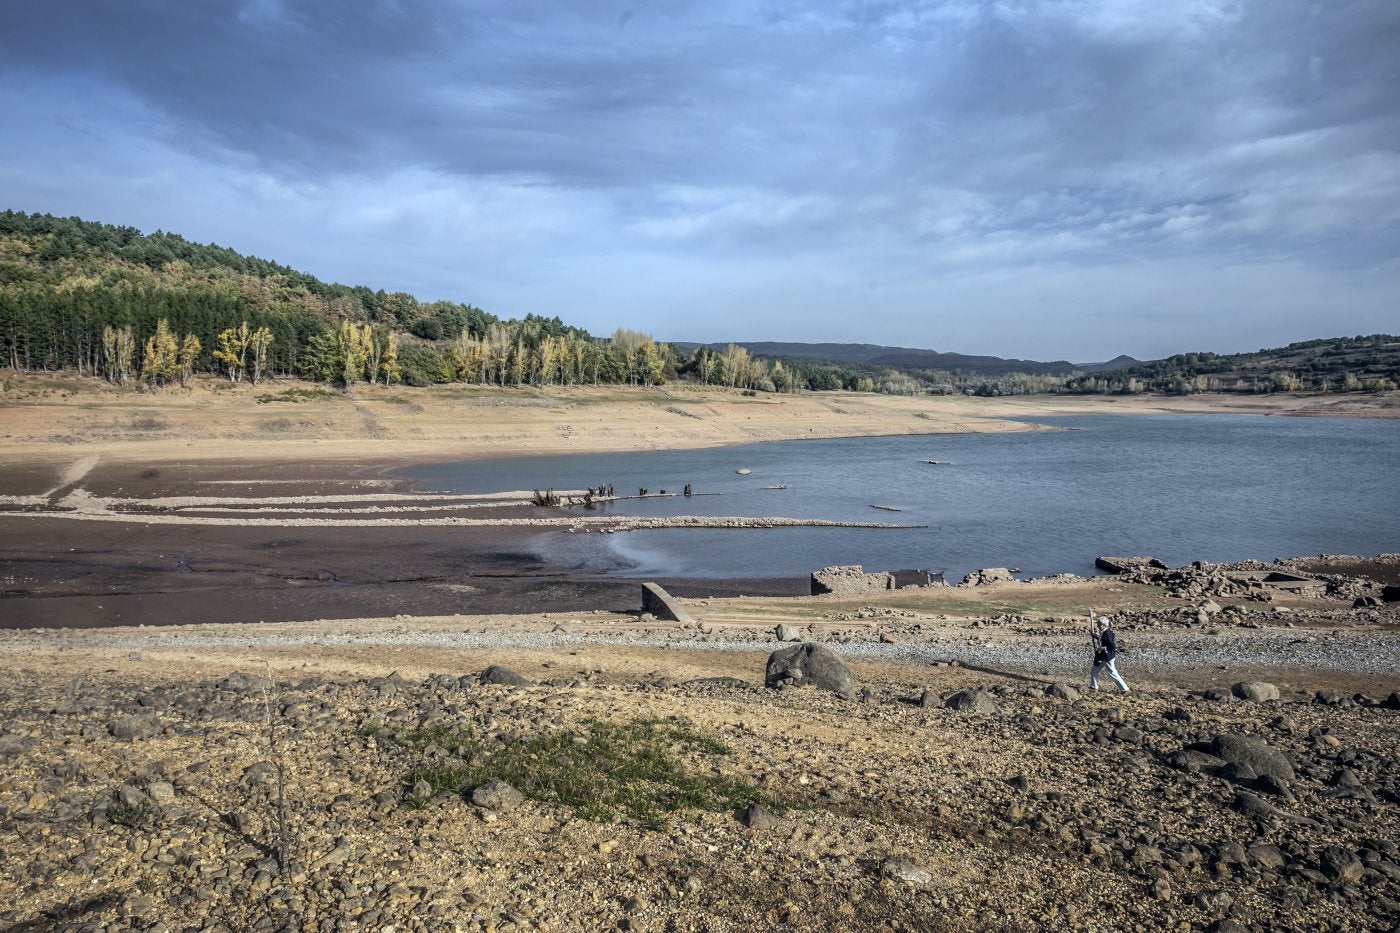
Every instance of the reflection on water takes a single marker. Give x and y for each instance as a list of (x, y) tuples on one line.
[(1180, 487)]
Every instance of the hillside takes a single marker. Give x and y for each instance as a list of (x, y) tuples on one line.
[(1337, 364), (908, 358)]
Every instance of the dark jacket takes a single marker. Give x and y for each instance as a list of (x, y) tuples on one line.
[(1108, 646)]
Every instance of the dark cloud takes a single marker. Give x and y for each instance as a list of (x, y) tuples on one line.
[(944, 138)]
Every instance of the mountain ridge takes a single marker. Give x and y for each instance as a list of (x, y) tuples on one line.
[(869, 354)]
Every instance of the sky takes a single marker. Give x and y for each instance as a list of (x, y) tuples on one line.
[(1042, 179)]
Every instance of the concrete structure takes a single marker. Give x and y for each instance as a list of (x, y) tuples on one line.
[(663, 605)]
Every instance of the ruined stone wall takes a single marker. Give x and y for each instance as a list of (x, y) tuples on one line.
[(849, 581)]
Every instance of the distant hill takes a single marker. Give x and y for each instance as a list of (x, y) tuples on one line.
[(1331, 364), (908, 358)]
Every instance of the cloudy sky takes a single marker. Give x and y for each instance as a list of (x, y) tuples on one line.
[(1046, 179)]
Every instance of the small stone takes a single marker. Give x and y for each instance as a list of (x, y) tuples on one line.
[(1214, 901), (756, 816), (161, 792), (497, 795), (900, 869)]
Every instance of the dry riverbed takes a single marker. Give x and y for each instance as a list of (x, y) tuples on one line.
[(142, 768)]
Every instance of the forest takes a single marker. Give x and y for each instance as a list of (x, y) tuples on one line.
[(155, 309)]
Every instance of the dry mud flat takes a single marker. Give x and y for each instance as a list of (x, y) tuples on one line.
[(140, 787)]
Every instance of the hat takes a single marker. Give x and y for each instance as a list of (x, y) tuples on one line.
[(1104, 621)]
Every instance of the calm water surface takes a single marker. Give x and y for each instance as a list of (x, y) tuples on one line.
[(1180, 487)]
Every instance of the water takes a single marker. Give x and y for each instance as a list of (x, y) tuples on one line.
[(1179, 487)]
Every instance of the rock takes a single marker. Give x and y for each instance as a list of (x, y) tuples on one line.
[(336, 856), (1341, 866), (663, 605), (929, 699), (162, 793), (1257, 807), (1128, 564), (1063, 692), (244, 682), (131, 728), (900, 869), (1214, 902), (1231, 853), (810, 663), (11, 745), (1251, 751), (731, 682), (1144, 855), (1193, 761), (1210, 607), (787, 632), (1256, 691), (502, 676), (497, 795), (1267, 856), (974, 701), (131, 796), (988, 576), (755, 816)]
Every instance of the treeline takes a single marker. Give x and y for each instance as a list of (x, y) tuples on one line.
[(1341, 364), (104, 300), (155, 308), (107, 300)]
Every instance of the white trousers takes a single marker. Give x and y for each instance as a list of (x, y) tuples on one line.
[(1112, 672)]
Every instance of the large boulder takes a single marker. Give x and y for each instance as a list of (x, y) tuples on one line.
[(1256, 691), (502, 676), (1247, 751), (974, 701), (810, 663)]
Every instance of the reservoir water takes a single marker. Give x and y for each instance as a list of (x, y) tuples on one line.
[(1178, 487)]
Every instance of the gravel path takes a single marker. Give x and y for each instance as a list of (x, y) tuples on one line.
[(1370, 652)]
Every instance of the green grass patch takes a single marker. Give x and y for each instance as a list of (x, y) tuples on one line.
[(296, 395), (132, 816), (644, 770)]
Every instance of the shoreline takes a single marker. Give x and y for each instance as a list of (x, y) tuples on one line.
[(133, 568)]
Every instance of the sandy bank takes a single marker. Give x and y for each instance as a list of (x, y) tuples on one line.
[(48, 418)]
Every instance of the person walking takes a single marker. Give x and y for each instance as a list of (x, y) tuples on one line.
[(1105, 650)]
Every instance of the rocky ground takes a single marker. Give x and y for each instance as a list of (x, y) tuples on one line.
[(971, 782)]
